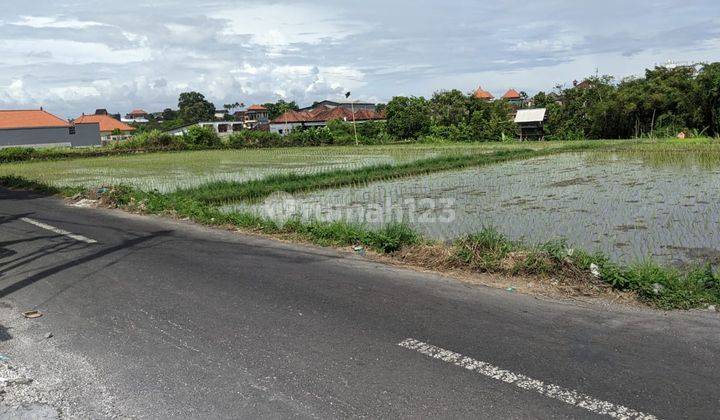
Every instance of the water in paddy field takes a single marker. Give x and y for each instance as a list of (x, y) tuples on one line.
[(627, 207)]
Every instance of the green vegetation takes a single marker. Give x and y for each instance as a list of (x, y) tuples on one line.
[(254, 190), (489, 251), (664, 102), (168, 171)]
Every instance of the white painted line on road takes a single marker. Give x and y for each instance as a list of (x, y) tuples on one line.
[(565, 395), (59, 231)]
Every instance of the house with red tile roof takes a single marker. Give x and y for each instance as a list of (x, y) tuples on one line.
[(39, 128), (256, 115), (137, 116), (110, 128), (514, 98), (319, 117), (483, 94)]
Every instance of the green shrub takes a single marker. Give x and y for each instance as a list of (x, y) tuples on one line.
[(201, 137), (16, 154), (253, 139)]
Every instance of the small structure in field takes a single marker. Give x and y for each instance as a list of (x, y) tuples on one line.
[(531, 123)]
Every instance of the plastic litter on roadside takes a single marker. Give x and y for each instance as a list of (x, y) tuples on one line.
[(32, 314)]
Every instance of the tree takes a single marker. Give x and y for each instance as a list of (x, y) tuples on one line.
[(449, 107), (193, 107), (230, 107), (280, 107), (491, 121), (408, 117), (169, 114), (707, 97)]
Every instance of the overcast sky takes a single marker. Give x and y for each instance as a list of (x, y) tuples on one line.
[(74, 56)]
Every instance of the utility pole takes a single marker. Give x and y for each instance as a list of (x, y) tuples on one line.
[(352, 109)]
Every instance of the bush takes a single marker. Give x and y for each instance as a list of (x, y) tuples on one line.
[(253, 139), (201, 137), (408, 118), (16, 154), (316, 136)]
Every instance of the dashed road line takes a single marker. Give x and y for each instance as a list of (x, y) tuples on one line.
[(59, 231), (557, 392)]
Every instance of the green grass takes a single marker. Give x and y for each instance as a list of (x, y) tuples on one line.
[(662, 287), (168, 171)]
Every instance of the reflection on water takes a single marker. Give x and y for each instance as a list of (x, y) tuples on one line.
[(629, 207)]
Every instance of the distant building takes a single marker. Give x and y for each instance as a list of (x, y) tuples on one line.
[(137, 116), (585, 84), (483, 94), (39, 128), (319, 117), (514, 98), (223, 128), (342, 104), (110, 128), (531, 123), (256, 115), (221, 114)]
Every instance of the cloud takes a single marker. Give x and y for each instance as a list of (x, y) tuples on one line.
[(143, 54), (54, 22)]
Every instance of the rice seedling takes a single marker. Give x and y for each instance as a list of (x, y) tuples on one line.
[(620, 206)]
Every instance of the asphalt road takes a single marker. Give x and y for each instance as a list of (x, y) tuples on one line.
[(179, 320)]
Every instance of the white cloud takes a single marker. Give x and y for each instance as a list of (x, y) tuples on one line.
[(250, 51), (54, 22), (29, 51), (277, 26)]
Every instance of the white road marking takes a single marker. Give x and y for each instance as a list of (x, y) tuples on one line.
[(59, 231), (565, 395)]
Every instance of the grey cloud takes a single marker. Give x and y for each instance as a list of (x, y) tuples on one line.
[(377, 50)]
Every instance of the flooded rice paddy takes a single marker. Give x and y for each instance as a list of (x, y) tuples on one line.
[(627, 206), (166, 172)]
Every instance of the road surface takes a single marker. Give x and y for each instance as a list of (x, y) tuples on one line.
[(153, 318)]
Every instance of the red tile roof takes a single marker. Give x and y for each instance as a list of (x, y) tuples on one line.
[(106, 122), (257, 108), (512, 94), (483, 94), (137, 112), (324, 114), (35, 118), (292, 117)]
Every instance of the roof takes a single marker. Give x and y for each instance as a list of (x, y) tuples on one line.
[(292, 116), (106, 122), (530, 115), (480, 93), (257, 108), (137, 112), (512, 94), (35, 118), (324, 114), (585, 84)]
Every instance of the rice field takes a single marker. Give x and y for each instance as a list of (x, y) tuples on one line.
[(630, 205), (166, 172)]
